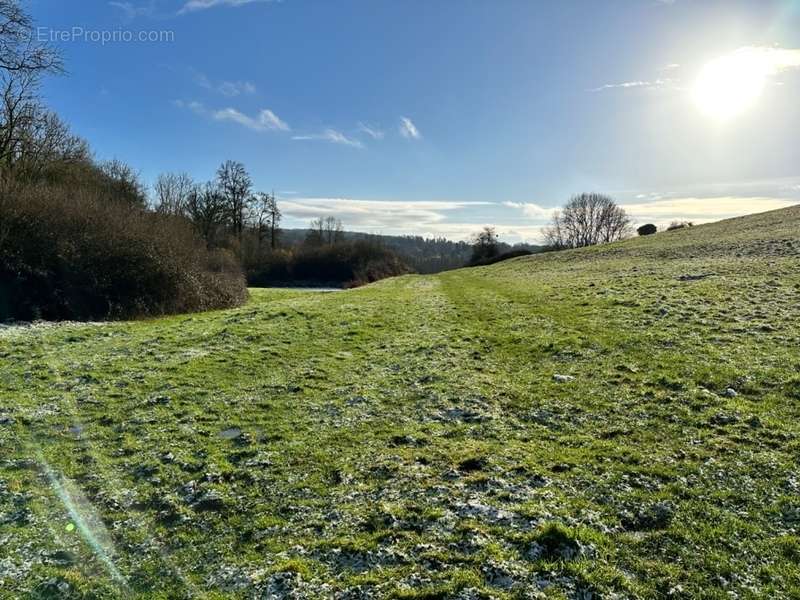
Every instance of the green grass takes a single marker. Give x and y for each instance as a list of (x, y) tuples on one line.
[(408, 439)]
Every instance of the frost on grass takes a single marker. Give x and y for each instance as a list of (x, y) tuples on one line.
[(409, 439)]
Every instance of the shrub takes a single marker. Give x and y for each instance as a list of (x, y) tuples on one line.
[(347, 264), (679, 225), (76, 253), (648, 229)]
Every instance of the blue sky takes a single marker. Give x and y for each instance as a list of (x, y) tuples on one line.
[(440, 116)]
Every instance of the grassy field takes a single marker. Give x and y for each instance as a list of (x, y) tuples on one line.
[(616, 422)]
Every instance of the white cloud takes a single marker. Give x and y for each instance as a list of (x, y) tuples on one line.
[(331, 135), (385, 216), (531, 210), (373, 132), (408, 129), (265, 120), (703, 209), (196, 5)]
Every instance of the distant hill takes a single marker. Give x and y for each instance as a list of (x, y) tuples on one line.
[(424, 255)]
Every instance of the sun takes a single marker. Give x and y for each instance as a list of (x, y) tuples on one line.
[(729, 85)]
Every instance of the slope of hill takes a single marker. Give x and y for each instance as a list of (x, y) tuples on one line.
[(620, 421)]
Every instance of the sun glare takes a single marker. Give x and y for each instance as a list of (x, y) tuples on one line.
[(729, 85)]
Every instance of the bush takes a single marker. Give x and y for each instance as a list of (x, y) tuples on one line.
[(679, 225), (648, 229), (346, 264), (75, 253), (500, 258)]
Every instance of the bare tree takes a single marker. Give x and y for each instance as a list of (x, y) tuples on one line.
[(325, 230), (206, 206), (267, 218), (123, 183), (172, 191), (36, 144), (20, 49), (586, 220), (18, 109), (23, 60), (316, 232), (484, 244), (333, 232), (235, 184)]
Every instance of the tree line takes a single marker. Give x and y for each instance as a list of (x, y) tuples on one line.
[(226, 205)]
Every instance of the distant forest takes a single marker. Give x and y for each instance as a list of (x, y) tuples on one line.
[(423, 255)]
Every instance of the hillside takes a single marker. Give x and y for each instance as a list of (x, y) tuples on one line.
[(620, 421)]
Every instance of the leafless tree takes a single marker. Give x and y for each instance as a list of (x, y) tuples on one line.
[(235, 184), (28, 132), (267, 218), (34, 142), (18, 110), (325, 230), (172, 191), (206, 206), (123, 183), (586, 220), (20, 50), (316, 232), (333, 230)]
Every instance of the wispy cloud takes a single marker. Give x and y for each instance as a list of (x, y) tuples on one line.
[(373, 132), (235, 88), (656, 83), (531, 210), (194, 106), (265, 120), (196, 5), (408, 129), (226, 88), (768, 60), (331, 135), (131, 11)]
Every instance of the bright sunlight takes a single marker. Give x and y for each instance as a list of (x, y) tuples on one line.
[(729, 85)]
